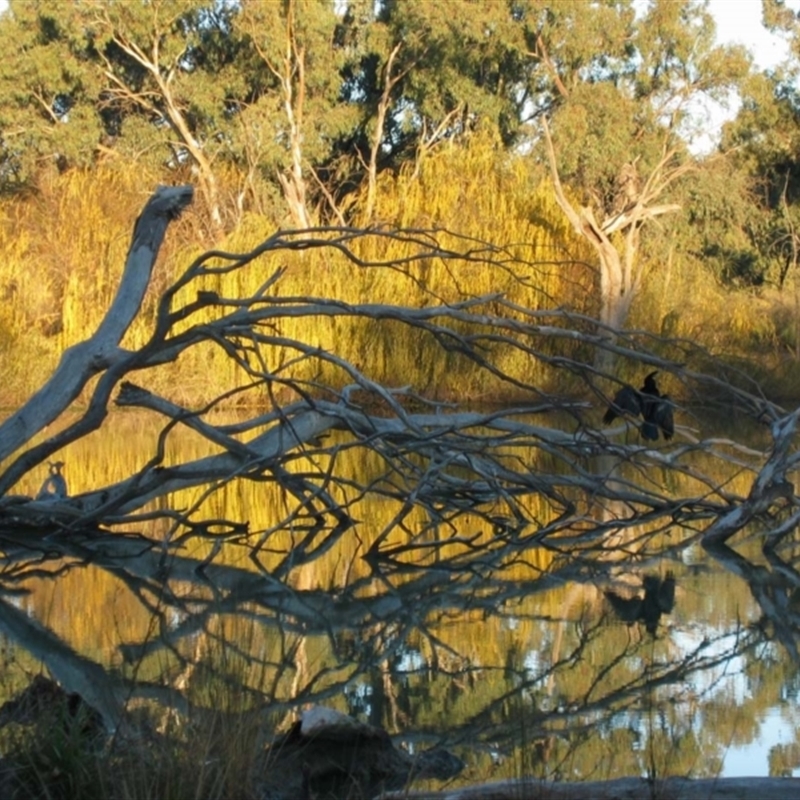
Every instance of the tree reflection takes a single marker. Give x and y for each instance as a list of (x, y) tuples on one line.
[(579, 685)]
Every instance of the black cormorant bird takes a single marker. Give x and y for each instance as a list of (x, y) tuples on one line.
[(654, 408)]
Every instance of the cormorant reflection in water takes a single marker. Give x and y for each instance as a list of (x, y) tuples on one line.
[(659, 598)]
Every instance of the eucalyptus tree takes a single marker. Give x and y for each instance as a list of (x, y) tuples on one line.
[(48, 95), (147, 81), (765, 139), (294, 113), (621, 86), (426, 72)]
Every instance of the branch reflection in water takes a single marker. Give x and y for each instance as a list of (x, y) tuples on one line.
[(442, 623)]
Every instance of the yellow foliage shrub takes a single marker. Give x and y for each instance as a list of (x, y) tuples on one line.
[(62, 251)]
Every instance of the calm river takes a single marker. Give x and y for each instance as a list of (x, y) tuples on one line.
[(646, 658)]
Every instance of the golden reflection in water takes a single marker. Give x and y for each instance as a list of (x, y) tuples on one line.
[(519, 659)]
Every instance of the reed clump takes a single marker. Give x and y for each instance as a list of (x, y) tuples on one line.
[(55, 746), (216, 761)]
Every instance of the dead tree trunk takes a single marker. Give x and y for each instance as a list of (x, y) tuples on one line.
[(82, 361)]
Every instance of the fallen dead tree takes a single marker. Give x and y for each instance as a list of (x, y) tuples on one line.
[(441, 457)]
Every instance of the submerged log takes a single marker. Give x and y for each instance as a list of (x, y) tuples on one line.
[(101, 693), (443, 457), (619, 789)]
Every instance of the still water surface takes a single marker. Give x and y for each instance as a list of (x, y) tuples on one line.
[(652, 658)]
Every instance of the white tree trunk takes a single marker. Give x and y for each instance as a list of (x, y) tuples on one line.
[(82, 361), (620, 273)]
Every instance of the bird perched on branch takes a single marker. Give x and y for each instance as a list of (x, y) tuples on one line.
[(647, 402), (55, 485)]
